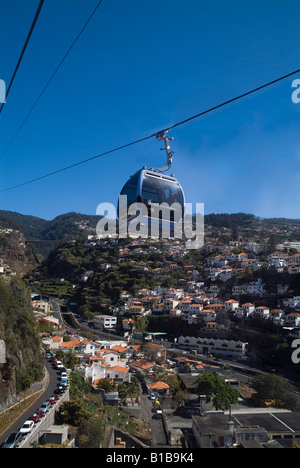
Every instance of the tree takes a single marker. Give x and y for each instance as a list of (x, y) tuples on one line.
[(270, 387), (213, 386), (91, 432), (128, 389), (71, 360), (106, 384), (141, 324), (74, 412)]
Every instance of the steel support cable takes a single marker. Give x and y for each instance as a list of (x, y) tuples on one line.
[(156, 133), (24, 49), (51, 77)]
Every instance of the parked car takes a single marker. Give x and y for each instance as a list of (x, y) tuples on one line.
[(60, 389), (37, 415), (13, 440), (45, 406), (64, 382), (152, 396), (64, 375), (27, 427), (52, 399)]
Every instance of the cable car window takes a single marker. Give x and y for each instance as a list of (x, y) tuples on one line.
[(160, 190), (150, 193), (130, 189)]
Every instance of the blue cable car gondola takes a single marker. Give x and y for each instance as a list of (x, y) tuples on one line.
[(155, 190)]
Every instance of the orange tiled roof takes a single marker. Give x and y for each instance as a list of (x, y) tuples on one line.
[(144, 365), (159, 385), (119, 349), (70, 344), (85, 341), (57, 338), (119, 369)]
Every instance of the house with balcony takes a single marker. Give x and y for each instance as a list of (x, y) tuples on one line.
[(292, 320), (276, 316), (117, 373), (261, 312)]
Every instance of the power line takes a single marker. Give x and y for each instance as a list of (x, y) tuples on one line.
[(156, 133), (52, 76), (24, 49), (78, 163), (236, 98)]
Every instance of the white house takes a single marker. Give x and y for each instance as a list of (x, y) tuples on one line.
[(226, 274), (116, 372), (169, 303), (105, 321), (291, 302), (231, 305), (240, 289), (214, 346), (195, 309), (256, 287), (276, 315), (110, 357), (208, 315), (292, 320), (261, 312), (248, 308), (96, 371)]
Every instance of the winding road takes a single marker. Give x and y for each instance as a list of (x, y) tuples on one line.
[(49, 390)]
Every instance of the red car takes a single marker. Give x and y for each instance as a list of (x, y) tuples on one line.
[(53, 399), (37, 415)]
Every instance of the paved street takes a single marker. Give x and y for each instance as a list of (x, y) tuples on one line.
[(53, 381), (156, 425)]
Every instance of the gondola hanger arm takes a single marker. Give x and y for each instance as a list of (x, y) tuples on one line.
[(162, 136)]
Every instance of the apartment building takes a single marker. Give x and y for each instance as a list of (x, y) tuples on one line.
[(105, 321)]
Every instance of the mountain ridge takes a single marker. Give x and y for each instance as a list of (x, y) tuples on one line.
[(73, 225)]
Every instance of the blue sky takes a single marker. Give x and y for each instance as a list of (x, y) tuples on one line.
[(139, 67)]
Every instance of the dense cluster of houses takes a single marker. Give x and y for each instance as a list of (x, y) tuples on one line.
[(199, 305), (192, 301), (224, 266), (112, 359)]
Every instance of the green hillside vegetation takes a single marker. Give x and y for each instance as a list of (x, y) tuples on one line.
[(17, 329), (49, 232), (65, 266), (66, 225)]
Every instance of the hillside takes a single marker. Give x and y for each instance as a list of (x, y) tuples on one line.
[(43, 235), (65, 225), (17, 329), (73, 225)]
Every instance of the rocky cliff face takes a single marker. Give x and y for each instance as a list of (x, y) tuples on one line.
[(21, 366), (15, 253), (8, 395)]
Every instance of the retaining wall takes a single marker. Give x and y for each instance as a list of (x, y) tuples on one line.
[(44, 423)]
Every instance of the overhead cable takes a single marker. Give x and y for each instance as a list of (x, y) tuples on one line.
[(52, 76), (24, 49), (156, 133)]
